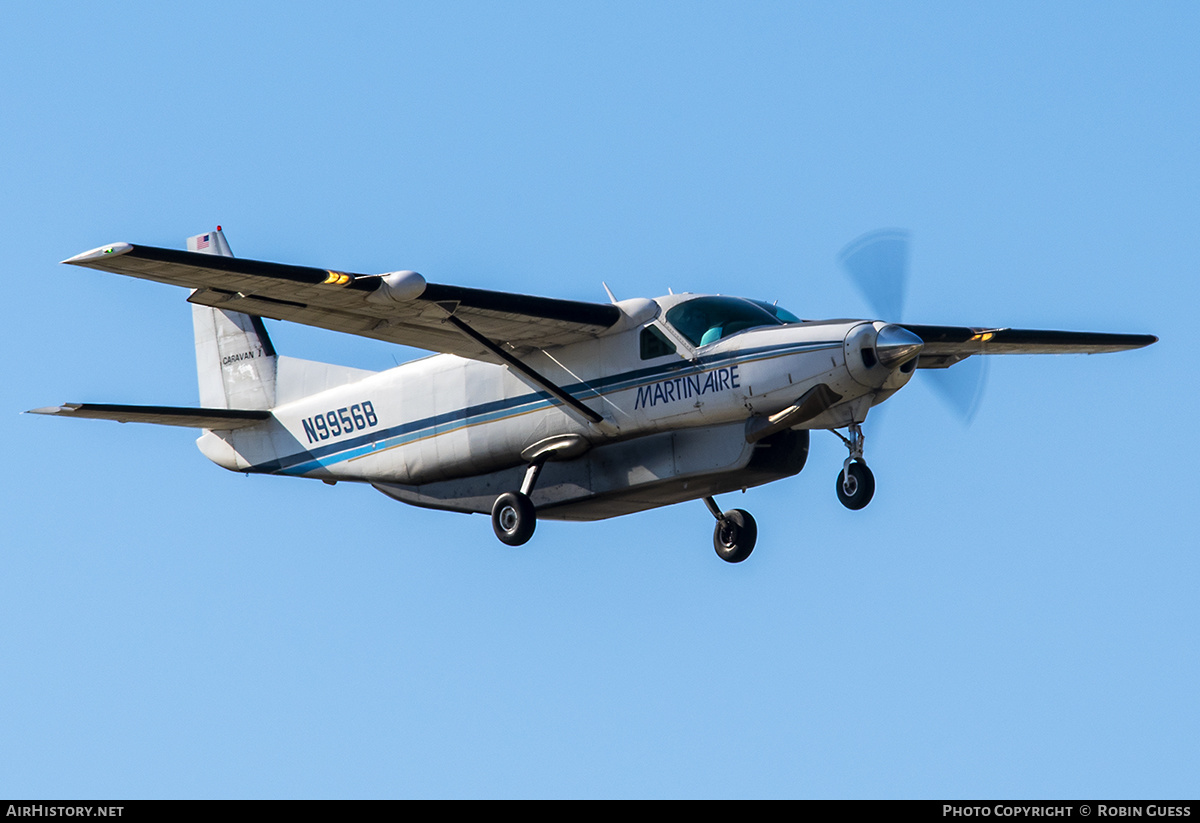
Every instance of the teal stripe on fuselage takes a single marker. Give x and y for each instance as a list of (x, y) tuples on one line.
[(306, 461)]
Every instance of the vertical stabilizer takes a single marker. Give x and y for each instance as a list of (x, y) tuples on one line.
[(235, 361)]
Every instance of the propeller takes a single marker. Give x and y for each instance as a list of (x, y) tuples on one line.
[(877, 263)]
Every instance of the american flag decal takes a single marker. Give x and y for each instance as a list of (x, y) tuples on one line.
[(202, 242)]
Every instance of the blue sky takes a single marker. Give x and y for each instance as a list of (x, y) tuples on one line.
[(1014, 615)]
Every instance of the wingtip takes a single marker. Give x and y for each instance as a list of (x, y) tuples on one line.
[(45, 410), (91, 255)]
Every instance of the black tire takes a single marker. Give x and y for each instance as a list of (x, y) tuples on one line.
[(514, 518), (862, 486), (735, 535)]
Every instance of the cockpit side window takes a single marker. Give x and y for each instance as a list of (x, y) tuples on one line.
[(706, 320), (655, 344)]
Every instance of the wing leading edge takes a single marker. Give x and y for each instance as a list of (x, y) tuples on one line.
[(362, 304)]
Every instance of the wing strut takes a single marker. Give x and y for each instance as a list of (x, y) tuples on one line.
[(536, 377)]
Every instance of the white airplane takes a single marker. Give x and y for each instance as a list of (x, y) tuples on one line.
[(536, 407)]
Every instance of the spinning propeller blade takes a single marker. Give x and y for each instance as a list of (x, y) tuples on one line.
[(877, 262), (961, 386)]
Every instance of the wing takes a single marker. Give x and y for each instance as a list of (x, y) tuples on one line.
[(947, 345), (399, 307)]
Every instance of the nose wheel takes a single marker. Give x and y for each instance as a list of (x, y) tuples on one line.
[(855, 483)]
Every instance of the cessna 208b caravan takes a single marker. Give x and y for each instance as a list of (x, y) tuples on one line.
[(536, 407)]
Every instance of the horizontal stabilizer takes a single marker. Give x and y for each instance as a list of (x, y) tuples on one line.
[(220, 419)]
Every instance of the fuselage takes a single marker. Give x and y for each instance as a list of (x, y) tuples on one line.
[(444, 417)]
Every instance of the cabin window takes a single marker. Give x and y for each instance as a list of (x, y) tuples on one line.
[(706, 320), (655, 344)]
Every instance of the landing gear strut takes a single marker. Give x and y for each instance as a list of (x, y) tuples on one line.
[(855, 483), (513, 514), (735, 532)]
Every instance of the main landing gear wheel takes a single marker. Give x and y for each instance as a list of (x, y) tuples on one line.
[(735, 533), (514, 518), (513, 514), (855, 485)]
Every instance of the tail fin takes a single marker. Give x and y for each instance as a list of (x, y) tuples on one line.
[(235, 361)]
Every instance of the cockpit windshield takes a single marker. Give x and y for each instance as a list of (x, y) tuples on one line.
[(779, 311), (705, 320)]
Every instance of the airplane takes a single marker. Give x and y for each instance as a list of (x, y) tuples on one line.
[(536, 407)]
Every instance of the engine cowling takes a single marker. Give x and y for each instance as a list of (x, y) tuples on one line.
[(881, 355)]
